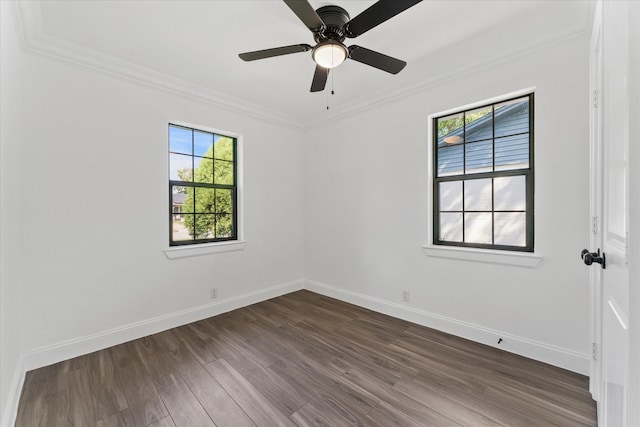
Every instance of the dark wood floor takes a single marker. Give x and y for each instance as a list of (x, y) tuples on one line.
[(303, 359)]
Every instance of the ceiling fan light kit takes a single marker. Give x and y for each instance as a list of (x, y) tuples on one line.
[(330, 54), (330, 26)]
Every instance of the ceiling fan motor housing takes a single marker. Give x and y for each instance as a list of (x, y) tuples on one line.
[(335, 19)]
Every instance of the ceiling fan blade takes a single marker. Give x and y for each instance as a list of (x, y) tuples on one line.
[(306, 13), (276, 51), (376, 15), (319, 79), (376, 59)]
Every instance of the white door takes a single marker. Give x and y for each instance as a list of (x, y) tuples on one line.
[(610, 148)]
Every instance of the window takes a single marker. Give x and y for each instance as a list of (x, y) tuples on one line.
[(202, 186), (483, 176)]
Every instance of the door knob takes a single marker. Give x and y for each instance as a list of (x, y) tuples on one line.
[(591, 257)]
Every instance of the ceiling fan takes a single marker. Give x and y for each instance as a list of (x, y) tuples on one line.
[(330, 26)]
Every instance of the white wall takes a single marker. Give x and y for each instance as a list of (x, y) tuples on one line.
[(366, 211), (89, 184), (10, 291)]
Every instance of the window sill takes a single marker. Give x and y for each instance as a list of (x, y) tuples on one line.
[(203, 249), (518, 259)]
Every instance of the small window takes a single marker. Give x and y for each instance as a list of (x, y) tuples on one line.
[(483, 176), (202, 186)]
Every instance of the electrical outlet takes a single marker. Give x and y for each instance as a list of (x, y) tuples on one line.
[(214, 293), (406, 295)]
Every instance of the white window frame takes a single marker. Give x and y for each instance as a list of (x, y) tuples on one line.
[(175, 252), (492, 256)]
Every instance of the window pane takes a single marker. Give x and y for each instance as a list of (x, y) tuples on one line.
[(224, 226), (223, 172), (512, 152), (450, 129), (479, 157), (204, 226), (477, 228), (450, 159), (204, 170), (451, 227), (204, 200), (223, 201), (178, 196), (224, 148), (187, 202), (203, 144), (180, 168), (180, 140), (510, 193), (512, 117), (479, 124), (450, 196), (477, 195), (180, 231), (510, 229)]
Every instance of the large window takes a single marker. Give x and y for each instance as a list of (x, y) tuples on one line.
[(483, 176), (202, 186)]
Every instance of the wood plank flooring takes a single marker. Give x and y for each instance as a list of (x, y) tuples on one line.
[(303, 360)]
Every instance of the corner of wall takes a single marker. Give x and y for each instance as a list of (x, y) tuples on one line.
[(8, 417), (12, 371)]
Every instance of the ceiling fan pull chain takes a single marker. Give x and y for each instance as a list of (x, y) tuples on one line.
[(332, 77), (332, 91)]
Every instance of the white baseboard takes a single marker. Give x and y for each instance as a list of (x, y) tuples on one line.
[(556, 356), (11, 407), (55, 353)]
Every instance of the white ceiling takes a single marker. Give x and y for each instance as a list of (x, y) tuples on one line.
[(194, 46)]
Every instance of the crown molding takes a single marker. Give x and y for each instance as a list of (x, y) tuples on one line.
[(418, 88), (36, 41)]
